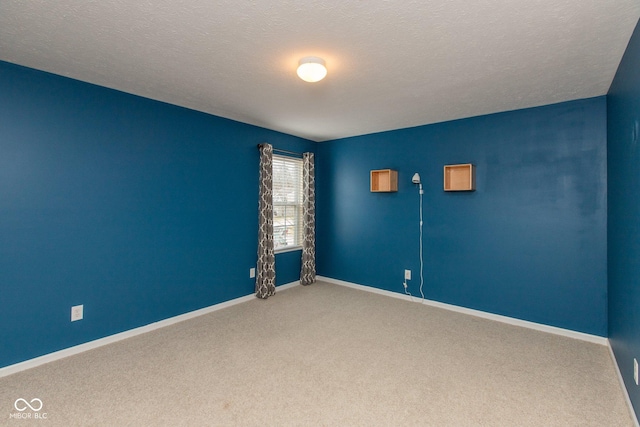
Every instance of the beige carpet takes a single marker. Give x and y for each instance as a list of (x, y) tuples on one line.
[(326, 355)]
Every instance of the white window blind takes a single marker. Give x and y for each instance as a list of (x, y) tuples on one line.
[(287, 202)]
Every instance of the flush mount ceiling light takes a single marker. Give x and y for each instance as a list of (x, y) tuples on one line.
[(312, 69)]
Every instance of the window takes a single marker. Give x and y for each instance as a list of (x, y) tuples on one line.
[(287, 202)]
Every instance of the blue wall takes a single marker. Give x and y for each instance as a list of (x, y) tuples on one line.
[(530, 243), (137, 209), (623, 105)]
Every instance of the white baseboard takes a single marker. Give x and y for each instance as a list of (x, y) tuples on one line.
[(624, 387), (32, 363), (285, 286), (496, 317)]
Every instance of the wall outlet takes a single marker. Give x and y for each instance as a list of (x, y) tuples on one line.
[(407, 275), (252, 273), (77, 312), (635, 370)]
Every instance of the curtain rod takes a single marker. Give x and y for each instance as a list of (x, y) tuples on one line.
[(283, 151)]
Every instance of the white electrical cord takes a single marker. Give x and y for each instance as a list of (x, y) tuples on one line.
[(416, 180), (406, 291), (421, 257)]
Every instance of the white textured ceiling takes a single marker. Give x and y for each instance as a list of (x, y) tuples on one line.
[(392, 64)]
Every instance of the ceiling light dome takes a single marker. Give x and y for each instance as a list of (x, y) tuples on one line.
[(312, 69)]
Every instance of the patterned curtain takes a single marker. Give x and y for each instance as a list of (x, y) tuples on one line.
[(266, 268), (308, 270)]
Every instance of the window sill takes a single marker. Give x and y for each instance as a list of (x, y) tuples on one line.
[(287, 249)]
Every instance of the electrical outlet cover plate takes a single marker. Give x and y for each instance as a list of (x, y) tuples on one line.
[(77, 312), (635, 370), (252, 273), (407, 275)]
